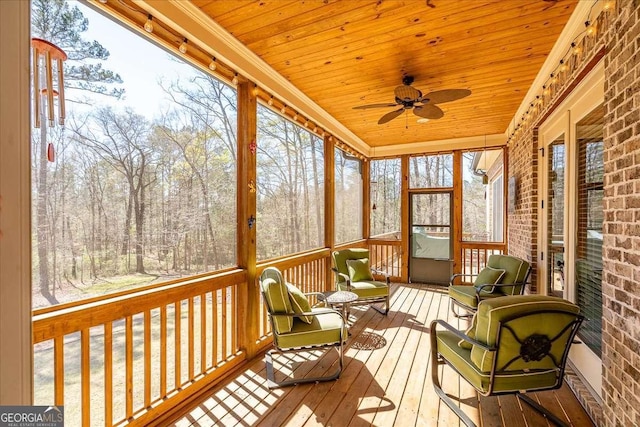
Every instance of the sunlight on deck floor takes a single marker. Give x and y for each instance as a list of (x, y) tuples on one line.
[(386, 380)]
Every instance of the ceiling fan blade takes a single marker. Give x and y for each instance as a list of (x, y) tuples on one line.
[(445, 95), (428, 111), (407, 93), (364, 107), (390, 116)]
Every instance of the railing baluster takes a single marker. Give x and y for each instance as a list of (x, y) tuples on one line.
[(191, 348), (203, 333), (129, 366), (214, 327), (147, 358), (177, 332), (163, 351), (108, 374), (58, 360), (85, 375), (225, 353), (234, 319)]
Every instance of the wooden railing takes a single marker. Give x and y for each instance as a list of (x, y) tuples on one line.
[(131, 356), (386, 256), (476, 254), (122, 358)]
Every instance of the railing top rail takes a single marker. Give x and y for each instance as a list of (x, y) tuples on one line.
[(51, 324), (293, 260)]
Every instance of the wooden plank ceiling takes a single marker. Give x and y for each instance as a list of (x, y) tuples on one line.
[(346, 53)]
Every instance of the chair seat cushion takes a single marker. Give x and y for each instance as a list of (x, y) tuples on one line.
[(323, 329), (460, 360), (467, 295), (366, 288)]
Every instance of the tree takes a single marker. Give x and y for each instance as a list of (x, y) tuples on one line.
[(61, 24), (121, 140)]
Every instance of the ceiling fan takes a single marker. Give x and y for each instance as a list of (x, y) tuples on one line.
[(409, 97)]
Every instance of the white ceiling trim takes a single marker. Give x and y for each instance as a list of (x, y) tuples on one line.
[(445, 145), (200, 29)]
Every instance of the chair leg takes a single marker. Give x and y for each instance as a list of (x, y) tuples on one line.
[(457, 315), (435, 363), (272, 383), (544, 411)]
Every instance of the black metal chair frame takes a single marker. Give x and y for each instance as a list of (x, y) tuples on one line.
[(479, 297), (339, 346), (534, 347)]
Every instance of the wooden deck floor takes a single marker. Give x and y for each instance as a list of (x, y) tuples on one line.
[(386, 381)]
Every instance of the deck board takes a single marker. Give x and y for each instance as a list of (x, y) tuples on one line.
[(386, 380)]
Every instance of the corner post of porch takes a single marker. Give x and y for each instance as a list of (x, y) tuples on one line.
[(457, 211), (329, 205), (248, 295), (404, 217)]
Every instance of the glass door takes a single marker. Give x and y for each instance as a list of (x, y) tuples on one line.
[(430, 258), (556, 167)]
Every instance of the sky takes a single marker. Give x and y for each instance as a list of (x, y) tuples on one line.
[(140, 63)]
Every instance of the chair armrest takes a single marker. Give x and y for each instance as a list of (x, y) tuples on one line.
[(387, 278), (459, 334), (312, 313), (479, 288), (455, 276), (343, 276)]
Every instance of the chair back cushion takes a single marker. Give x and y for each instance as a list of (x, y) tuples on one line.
[(359, 269), (515, 271), (340, 258), (521, 323), (299, 302), (489, 276), (276, 296)]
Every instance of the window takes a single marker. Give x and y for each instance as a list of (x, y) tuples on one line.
[(290, 194), (143, 186), (433, 171), (589, 138), (497, 211), (385, 190), (348, 197), (482, 196)]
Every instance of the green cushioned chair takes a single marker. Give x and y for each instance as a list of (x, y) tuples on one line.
[(295, 330), (516, 344), (503, 275), (353, 273)]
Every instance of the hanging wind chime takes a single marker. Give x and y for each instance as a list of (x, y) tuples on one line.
[(44, 55)]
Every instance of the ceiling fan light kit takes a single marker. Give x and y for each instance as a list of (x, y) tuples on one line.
[(409, 98)]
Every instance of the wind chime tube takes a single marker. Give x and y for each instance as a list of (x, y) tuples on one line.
[(36, 88), (61, 109), (49, 70)]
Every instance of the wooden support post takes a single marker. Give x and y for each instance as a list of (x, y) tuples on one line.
[(249, 295), (329, 205), (404, 218), (457, 211), (366, 200)]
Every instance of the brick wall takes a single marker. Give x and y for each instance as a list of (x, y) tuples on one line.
[(523, 223), (621, 246)]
